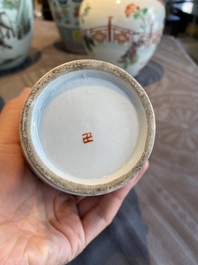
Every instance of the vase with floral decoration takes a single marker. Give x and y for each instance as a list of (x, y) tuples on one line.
[(16, 30), (65, 14), (125, 33)]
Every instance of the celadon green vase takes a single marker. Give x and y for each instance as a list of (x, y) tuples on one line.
[(16, 30)]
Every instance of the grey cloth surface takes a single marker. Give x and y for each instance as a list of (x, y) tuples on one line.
[(123, 242), (152, 73)]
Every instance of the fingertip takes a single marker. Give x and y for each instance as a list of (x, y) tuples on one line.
[(25, 91), (10, 118), (146, 166)]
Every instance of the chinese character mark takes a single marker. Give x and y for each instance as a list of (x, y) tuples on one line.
[(87, 137)]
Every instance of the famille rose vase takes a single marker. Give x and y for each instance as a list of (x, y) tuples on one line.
[(16, 30), (125, 33), (65, 14)]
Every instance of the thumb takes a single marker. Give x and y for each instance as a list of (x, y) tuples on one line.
[(10, 119)]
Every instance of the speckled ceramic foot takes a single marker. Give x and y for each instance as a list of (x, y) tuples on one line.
[(87, 127)]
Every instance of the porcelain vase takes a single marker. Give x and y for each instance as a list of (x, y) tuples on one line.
[(16, 30), (125, 33), (65, 14)]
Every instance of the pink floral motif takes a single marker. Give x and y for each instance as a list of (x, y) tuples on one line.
[(130, 9), (58, 16), (161, 1)]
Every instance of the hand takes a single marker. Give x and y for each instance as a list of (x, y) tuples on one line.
[(39, 224)]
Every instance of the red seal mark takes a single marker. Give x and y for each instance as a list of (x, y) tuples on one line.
[(87, 137)]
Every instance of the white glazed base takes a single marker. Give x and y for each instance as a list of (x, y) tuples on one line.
[(81, 107), (85, 130)]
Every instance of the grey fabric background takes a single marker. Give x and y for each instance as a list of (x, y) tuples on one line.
[(123, 242)]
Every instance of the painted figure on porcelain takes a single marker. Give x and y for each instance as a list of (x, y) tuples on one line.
[(124, 33)]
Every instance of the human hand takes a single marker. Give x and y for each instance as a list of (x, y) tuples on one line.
[(39, 224)]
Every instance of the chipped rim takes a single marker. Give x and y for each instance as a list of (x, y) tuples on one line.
[(37, 165)]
